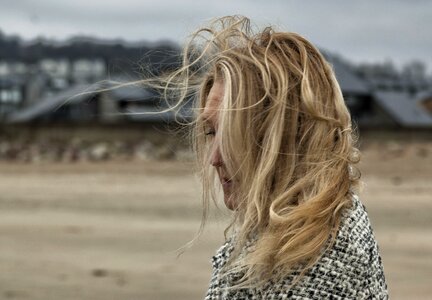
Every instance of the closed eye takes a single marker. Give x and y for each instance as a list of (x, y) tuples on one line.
[(210, 132), (209, 129)]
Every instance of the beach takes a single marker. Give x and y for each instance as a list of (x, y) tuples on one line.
[(112, 230)]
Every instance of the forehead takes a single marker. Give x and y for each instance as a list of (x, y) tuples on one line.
[(214, 98)]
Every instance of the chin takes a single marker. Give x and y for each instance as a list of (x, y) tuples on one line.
[(229, 203)]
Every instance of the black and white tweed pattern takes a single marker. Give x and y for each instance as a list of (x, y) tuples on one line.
[(351, 269)]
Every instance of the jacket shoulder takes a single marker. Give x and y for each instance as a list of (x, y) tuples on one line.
[(350, 269)]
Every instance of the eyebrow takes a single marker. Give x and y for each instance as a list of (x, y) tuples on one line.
[(207, 121)]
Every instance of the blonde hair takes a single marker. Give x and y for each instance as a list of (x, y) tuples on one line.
[(286, 137)]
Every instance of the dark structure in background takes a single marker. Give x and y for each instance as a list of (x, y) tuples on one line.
[(356, 92), (12, 89), (160, 55), (47, 83), (40, 80), (373, 105), (86, 104)]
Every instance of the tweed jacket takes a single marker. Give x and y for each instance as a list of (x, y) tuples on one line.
[(351, 269)]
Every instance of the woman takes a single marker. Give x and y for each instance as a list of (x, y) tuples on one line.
[(273, 129)]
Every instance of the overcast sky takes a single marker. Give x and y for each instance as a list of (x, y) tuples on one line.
[(359, 30)]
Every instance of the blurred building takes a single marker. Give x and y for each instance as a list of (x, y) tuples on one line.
[(56, 85), (12, 94), (98, 104), (378, 104)]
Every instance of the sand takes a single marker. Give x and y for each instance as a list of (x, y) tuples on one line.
[(110, 230)]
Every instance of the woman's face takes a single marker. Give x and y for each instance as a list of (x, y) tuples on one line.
[(210, 117)]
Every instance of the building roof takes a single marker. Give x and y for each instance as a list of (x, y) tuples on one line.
[(74, 94), (132, 93), (348, 80), (403, 109)]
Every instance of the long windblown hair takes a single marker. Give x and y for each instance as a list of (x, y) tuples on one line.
[(285, 136)]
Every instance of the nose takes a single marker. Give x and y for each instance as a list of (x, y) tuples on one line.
[(216, 157)]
